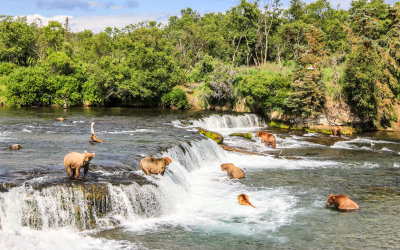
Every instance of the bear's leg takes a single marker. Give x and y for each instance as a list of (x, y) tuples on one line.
[(85, 171), (68, 170), (77, 170)]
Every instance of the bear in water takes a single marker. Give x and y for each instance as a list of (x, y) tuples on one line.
[(152, 165), (341, 202), (232, 171), (267, 138), (336, 131), (75, 161), (244, 200)]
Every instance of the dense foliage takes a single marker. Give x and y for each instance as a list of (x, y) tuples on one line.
[(274, 58)]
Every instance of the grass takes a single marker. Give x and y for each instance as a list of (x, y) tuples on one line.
[(334, 88), (269, 67)]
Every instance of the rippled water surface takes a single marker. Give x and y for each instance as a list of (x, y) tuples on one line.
[(194, 204)]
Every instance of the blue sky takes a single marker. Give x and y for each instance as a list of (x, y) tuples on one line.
[(98, 14)]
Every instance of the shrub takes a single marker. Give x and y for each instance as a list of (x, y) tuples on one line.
[(266, 91), (176, 99), (29, 87), (220, 85)]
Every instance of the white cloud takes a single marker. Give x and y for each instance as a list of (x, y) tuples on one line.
[(99, 23)]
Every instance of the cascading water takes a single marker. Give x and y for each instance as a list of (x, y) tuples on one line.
[(193, 175), (220, 122)]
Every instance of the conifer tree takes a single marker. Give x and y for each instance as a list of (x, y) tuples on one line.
[(308, 97)]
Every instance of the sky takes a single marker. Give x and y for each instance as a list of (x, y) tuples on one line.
[(96, 15)]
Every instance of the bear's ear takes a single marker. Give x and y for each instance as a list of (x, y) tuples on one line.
[(94, 153), (85, 152)]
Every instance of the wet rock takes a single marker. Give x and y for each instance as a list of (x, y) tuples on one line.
[(244, 135), (15, 147), (240, 151), (5, 186), (326, 141), (290, 157), (61, 119), (217, 137), (186, 123)]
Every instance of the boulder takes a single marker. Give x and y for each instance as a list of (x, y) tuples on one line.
[(217, 137), (15, 147)]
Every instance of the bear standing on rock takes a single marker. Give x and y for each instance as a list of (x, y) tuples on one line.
[(152, 165), (75, 161), (336, 131)]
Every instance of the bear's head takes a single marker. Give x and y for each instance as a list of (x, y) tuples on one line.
[(225, 166), (260, 133), (331, 200), (167, 160), (88, 156)]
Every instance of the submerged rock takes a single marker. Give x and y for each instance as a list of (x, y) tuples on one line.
[(240, 150), (61, 119), (217, 137), (15, 147)]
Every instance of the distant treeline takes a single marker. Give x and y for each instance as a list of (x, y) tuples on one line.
[(296, 61)]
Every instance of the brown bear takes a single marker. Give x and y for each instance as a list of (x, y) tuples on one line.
[(152, 165), (232, 171), (341, 202), (336, 131), (267, 138), (244, 200), (75, 161)]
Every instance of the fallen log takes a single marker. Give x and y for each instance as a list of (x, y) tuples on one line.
[(93, 138)]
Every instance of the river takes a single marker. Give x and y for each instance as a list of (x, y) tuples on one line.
[(194, 204)]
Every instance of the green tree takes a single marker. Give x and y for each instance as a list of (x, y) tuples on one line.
[(308, 96), (17, 41), (29, 86)]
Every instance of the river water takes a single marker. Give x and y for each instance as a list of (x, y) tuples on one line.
[(194, 205)]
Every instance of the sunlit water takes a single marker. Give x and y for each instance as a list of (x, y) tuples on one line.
[(194, 204)]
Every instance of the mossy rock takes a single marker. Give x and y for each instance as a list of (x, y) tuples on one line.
[(275, 124), (217, 137), (245, 135), (326, 129)]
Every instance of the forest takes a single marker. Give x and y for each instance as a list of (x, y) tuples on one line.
[(298, 61)]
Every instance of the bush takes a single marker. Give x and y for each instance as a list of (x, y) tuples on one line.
[(176, 99), (219, 88), (29, 87), (266, 91), (201, 70)]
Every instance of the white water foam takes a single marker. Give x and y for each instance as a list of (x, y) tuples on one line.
[(199, 195), (357, 144), (59, 239), (5, 136), (229, 122), (129, 132)]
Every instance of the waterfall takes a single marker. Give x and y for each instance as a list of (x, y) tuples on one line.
[(88, 206), (218, 122), (193, 192)]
